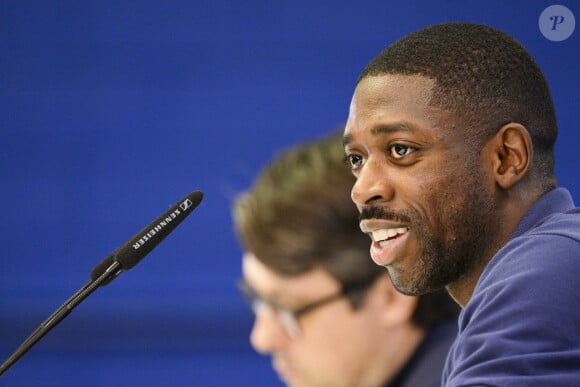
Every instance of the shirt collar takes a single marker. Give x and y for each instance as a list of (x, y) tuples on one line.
[(558, 200)]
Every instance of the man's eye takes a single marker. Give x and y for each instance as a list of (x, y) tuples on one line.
[(399, 151), (354, 161)]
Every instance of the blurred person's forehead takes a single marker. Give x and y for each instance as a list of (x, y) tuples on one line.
[(286, 289)]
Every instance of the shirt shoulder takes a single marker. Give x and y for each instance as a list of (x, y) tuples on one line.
[(522, 324)]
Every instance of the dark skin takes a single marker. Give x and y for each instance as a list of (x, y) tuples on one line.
[(436, 206)]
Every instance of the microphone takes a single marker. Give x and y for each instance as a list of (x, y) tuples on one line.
[(136, 248), (124, 258)]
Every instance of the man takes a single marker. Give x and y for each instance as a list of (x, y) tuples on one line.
[(450, 136), (325, 312)]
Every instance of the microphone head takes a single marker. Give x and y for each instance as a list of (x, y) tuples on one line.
[(148, 238), (136, 248)]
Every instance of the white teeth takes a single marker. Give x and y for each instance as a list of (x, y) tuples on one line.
[(387, 233), (384, 243)]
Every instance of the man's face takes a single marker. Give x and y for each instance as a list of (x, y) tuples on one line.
[(422, 190), (335, 343)]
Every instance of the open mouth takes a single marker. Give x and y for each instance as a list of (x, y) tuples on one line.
[(384, 236)]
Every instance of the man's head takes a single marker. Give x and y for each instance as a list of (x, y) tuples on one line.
[(484, 77), (303, 247), (450, 135)]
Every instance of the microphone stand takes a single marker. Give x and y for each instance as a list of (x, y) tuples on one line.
[(124, 258), (112, 271)]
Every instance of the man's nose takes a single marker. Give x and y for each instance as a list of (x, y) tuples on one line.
[(373, 184), (268, 334)]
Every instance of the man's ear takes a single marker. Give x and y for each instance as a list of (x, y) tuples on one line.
[(511, 152), (397, 308)]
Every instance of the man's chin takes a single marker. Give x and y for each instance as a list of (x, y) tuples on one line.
[(408, 286), (283, 371)]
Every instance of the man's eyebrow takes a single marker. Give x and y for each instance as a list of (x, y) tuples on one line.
[(402, 126), (273, 298), (346, 139)]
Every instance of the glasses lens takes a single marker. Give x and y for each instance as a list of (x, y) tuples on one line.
[(285, 317), (250, 297), (289, 322)]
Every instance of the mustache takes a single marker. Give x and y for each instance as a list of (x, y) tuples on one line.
[(383, 213)]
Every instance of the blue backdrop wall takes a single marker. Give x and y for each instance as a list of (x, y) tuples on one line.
[(111, 111)]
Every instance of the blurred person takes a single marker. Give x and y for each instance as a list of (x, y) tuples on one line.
[(450, 136), (324, 312)]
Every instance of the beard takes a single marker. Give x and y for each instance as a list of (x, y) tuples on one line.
[(452, 248)]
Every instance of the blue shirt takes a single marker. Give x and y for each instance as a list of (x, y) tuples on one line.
[(522, 324), (425, 365)]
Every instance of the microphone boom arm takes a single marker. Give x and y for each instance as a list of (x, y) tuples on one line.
[(60, 314)]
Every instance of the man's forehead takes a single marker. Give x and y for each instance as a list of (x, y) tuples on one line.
[(389, 103), (385, 88), (375, 96), (272, 285)]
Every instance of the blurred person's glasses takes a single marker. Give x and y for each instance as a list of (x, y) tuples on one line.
[(288, 318)]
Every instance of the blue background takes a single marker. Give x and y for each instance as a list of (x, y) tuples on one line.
[(111, 111)]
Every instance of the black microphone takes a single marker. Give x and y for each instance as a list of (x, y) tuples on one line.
[(124, 258), (136, 248)]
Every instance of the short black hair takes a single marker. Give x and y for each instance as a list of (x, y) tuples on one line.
[(485, 77)]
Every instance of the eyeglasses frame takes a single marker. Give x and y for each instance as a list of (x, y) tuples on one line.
[(289, 318)]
